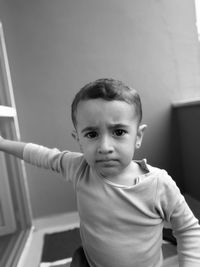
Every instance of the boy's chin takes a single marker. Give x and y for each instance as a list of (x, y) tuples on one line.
[(108, 172)]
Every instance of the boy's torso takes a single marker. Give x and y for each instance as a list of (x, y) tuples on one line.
[(119, 224)]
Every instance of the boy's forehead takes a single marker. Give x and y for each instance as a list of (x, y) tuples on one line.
[(94, 110)]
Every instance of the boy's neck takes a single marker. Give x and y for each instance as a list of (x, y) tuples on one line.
[(129, 175)]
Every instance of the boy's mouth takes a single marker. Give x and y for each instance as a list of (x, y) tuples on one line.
[(106, 159), (107, 162)]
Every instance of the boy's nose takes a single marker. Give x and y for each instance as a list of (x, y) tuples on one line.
[(105, 146)]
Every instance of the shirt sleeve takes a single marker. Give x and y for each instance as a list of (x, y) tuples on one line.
[(68, 164), (174, 209)]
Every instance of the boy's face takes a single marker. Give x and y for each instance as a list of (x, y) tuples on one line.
[(108, 134)]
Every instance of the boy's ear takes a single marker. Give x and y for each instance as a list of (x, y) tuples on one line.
[(75, 135), (140, 134)]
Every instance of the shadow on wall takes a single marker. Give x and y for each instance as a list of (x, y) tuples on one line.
[(185, 147)]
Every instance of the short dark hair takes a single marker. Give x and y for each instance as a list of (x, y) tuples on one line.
[(109, 90)]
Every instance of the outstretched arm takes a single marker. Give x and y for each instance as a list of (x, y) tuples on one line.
[(34, 154), (65, 162), (14, 148)]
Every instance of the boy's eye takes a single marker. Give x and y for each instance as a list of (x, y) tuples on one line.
[(119, 132), (91, 135)]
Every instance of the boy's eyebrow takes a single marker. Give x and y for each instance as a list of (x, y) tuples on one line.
[(118, 125), (88, 129)]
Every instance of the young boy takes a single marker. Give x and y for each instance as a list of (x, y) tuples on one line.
[(122, 202)]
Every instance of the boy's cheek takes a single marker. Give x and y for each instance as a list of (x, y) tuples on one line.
[(89, 153)]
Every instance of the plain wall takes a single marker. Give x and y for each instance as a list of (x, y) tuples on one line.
[(55, 47)]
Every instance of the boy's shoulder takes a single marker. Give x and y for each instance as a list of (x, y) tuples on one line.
[(161, 175), (167, 189), (72, 157)]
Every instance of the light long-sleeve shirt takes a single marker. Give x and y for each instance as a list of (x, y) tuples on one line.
[(122, 225)]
